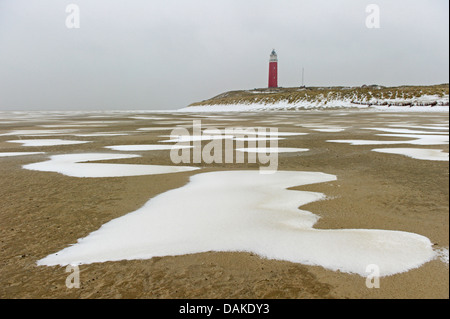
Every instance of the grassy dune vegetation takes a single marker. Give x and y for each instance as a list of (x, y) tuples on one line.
[(365, 95)]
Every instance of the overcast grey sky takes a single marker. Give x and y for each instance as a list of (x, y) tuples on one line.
[(166, 54)]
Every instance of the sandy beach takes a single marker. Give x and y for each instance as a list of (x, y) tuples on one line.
[(42, 213)]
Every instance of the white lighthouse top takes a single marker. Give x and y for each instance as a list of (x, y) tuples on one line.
[(273, 56)]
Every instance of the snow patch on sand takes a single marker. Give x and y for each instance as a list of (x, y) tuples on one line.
[(402, 131), (37, 132), (100, 134), (146, 147), (415, 139), (329, 130), (441, 127), (8, 154), (250, 212), (194, 138), (272, 150), (74, 165), (416, 153), (47, 142), (442, 254), (155, 128), (256, 139)]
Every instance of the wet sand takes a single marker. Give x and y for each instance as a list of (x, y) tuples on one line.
[(44, 212)]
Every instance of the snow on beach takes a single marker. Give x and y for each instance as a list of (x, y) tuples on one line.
[(285, 105), (47, 142), (99, 134), (37, 132), (443, 254), (415, 139), (241, 210), (146, 147), (73, 165), (246, 211), (418, 138), (417, 153), (272, 150), (9, 154)]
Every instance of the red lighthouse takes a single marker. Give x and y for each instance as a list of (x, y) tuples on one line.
[(273, 70)]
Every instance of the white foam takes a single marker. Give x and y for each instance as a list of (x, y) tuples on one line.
[(47, 142), (7, 154), (416, 153), (245, 211), (272, 150), (72, 165), (146, 147)]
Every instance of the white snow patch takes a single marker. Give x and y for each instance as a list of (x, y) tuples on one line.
[(155, 128), (146, 147), (272, 150), (35, 132), (73, 165), (256, 139), (147, 118), (442, 254), (367, 142), (402, 131), (73, 125), (416, 139), (329, 130), (47, 142), (100, 134), (257, 131), (7, 154), (416, 153), (443, 127), (246, 211), (194, 138), (419, 139), (323, 128)]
